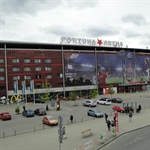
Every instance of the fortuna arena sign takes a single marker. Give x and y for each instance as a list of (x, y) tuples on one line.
[(89, 42)]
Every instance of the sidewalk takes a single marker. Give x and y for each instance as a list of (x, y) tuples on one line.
[(48, 139)]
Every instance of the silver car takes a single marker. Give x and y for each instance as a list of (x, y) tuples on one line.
[(95, 113), (90, 103)]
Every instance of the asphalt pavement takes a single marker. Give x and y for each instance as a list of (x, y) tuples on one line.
[(48, 139)]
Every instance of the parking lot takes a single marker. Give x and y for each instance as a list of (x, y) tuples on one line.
[(20, 124)]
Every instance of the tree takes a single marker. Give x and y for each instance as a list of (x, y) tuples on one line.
[(111, 90), (93, 93), (17, 110), (46, 97), (72, 95)]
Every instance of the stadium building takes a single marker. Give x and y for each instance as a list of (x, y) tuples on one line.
[(78, 65)]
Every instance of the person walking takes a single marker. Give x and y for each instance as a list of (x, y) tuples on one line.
[(71, 118), (106, 117), (108, 124), (130, 116)]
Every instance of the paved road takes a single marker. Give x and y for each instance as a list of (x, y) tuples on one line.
[(48, 138), (137, 140), (20, 124)]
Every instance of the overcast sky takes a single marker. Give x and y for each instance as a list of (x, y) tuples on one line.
[(46, 21)]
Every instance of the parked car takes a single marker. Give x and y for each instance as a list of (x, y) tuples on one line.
[(116, 100), (49, 120), (118, 109), (5, 116), (90, 103), (40, 111), (38, 100), (28, 113), (95, 113), (104, 101)]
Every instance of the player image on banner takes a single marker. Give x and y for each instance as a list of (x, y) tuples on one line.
[(129, 64)]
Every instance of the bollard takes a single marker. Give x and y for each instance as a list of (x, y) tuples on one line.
[(101, 136)]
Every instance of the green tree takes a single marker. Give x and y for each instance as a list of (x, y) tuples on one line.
[(17, 110), (110, 90), (93, 93), (72, 95), (46, 96)]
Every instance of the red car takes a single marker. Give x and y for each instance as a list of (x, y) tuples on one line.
[(5, 116), (118, 109)]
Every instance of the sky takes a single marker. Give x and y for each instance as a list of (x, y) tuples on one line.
[(46, 21)]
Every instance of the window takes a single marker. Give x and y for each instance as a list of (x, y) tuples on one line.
[(1, 60), (2, 78), (37, 68), (59, 75), (15, 69), (15, 60), (16, 77), (27, 69), (38, 86), (38, 76), (48, 68), (26, 60), (37, 60), (47, 60), (1, 69), (49, 76), (27, 77)]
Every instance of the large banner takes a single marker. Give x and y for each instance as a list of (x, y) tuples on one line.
[(106, 68)]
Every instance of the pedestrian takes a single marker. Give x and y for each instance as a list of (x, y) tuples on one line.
[(106, 116), (71, 118), (24, 108), (130, 116), (108, 124), (64, 133)]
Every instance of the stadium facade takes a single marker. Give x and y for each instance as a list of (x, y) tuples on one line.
[(73, 65)]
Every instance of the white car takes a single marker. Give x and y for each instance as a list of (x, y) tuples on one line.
[(104, 101), (90, 103)]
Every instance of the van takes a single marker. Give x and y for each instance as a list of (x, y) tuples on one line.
[(104, 101)]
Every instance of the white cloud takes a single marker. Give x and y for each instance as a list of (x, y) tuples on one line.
[(48, 20)]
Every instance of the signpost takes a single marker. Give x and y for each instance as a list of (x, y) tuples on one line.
[(60, 131)]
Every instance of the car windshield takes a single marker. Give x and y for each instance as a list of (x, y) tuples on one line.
[(6, 114), (51, 118)]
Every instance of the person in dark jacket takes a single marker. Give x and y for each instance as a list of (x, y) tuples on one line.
[(71, 118)]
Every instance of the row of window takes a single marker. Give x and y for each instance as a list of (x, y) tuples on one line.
[(26, 69), (27, 60), (26, 77)]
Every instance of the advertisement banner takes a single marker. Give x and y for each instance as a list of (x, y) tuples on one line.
[(15, 87), (32, 86), (23, 85)]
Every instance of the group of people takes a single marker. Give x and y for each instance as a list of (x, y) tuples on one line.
[(110, 123)]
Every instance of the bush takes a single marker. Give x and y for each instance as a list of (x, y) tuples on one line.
[(17, 110)]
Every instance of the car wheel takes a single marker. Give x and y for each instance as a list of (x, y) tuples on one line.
[(88, 114)]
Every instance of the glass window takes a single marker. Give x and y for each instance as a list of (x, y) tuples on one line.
[(26, 60), (1, 60), (38, 76), (27, 77), (27, 69), (15, 60), (37, 68), (49, 76), (2, 78), (16, 77), (37, 60), (1, 69), (47, 60), (48, 68), (15, 69), (59, 75)]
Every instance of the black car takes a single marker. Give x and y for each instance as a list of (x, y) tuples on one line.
[(116, 100), (39, 100), (40, 111), (28, 113)]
